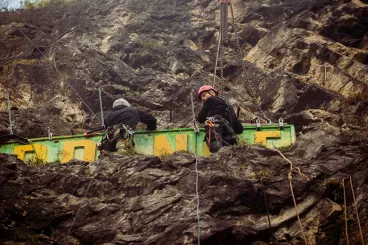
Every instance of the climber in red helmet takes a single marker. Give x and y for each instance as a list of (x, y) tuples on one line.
[(220, 119)]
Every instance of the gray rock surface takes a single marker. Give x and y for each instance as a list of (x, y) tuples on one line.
[(145, 200), (307, 61), (299, 55)]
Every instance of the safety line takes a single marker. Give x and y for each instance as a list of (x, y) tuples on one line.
[(356, 210), (290, 177), (196, 170), (197, 193), (345, 212), (80, 206), (198, 219), (217, 55), (57, 70), (268, 213)]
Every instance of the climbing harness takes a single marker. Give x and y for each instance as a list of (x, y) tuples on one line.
[(210, 127), (113, 134)]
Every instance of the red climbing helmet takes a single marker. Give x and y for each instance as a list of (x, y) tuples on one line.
[(204, 89)]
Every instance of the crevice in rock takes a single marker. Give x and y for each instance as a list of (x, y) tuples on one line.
[(302, 67)]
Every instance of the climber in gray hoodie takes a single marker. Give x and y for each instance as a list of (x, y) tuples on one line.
[(120, 125)]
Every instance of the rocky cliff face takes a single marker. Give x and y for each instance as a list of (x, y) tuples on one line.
[(307, 61), (156, 53), (145, 200)]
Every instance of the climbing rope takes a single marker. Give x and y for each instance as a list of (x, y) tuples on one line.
[(290, 178), (268, 213), (345, 212), (57, 70), (196, 130), (356, 211), (10, 117), (250, 85), (224, 39), (217, 56), (79, 208), (197, 195), (101, 107), (196, 186)]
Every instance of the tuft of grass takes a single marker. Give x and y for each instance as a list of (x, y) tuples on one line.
[(262, 174), (149, 44), (131, 152), (164, 156), (35, 161), (284, 148), (243, 142), (184, 151)]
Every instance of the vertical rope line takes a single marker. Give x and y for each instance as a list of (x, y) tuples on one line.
[(248, 83), (268, 214), (197, 192), (296, 211), (198, 219), (10, 117), (57, 70), (356, 211), (196, 130), (290, 178), (345, 213), (80, 206), (101, 107), (217, 56)]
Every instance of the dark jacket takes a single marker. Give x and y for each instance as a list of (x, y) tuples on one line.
[(214, 105), (127, 115), (131, 117), (148, 119)]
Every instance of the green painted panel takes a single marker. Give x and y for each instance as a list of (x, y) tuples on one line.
[(63, 148)]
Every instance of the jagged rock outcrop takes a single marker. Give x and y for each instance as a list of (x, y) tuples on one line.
[(145, 200), (307, 61), (155, 53)]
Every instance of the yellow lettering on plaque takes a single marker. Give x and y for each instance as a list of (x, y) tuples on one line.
[(181, 142), (206, 150), (260, 137), (70, 148), (39, 151), (161, 145)]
